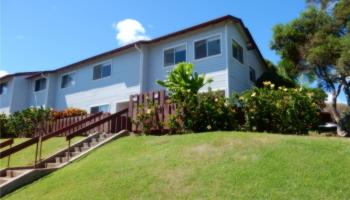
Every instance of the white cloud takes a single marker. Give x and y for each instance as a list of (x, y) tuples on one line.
[(129, 30), (3, 73)]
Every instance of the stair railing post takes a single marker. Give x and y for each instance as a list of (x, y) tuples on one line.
[(36, 154), (40, 147), (68, 149), (8, 158)]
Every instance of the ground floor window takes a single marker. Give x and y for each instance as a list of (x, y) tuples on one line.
[(100, 108)]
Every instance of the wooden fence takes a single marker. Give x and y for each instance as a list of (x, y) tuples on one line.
[(164, 109), (59, 124)]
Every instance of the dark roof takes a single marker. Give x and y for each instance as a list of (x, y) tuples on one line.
[(18, 74), (186, 30)]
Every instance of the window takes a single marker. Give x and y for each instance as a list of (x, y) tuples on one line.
[(252, 74), (102, 71), (67, 80), (3, 88), (101, 108), (237, 51), (175, 55), (40, 84), (207, 47)]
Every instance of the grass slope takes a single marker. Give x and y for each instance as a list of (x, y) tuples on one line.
[(26, 157), (204, 166)]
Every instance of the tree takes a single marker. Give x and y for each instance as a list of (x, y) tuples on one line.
[(276, 75), (317, 43)]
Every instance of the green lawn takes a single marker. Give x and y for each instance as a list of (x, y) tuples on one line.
[(204, 166), (27, 156)]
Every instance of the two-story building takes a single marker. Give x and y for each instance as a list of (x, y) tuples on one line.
[(222, 48)]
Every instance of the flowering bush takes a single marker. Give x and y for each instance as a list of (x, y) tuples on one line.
[(281, 109), (69, 112), (147, 117), (211, 111)]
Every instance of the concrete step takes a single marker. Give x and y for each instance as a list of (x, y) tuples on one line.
[(77, 149), (52, 164), (86, 145), (71, 154), (93, 143), (4, 179), (95, 139), (13, 173)]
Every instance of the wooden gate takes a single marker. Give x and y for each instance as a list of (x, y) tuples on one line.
[(163, 107)]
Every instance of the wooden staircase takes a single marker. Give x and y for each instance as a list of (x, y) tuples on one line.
[(117, 125), (14, 178)]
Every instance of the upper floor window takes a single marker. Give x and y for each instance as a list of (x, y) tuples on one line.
[(237, 51), (252, 74), (67, 80), (207, 47), (101, 108), (102, 71), (175, 55), (40, 84), (3, 88)]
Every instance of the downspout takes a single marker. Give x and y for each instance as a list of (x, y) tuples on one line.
[(227, 62), (141, 67)]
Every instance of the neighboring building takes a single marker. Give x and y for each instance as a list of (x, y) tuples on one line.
[(223, 49), (14, 92)]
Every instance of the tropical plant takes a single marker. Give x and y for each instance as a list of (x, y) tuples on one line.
[(182, 82)]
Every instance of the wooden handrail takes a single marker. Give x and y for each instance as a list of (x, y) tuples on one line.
[(78, 123), (19, 147), (6, 143), (36, 139), (94, 125)]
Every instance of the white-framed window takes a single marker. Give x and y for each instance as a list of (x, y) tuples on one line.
[(252, 74), (100, 108), (67, 80), (40, 84), (102, 70), (174, 55), (3, 88), (237, 51), (207, 47)]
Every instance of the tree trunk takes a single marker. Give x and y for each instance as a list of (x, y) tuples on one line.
[(334, 111), (347, 93), (336, 115)]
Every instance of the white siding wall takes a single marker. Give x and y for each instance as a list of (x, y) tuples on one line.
[(239, 79), (19, 93), (86, 92), (214, 67), (38, 98), (5, 99)]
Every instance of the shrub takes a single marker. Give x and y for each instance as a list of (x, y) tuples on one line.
[(147, 117), (281, 110), (26, 122), (211, 111), (3, 125), (69, 112)]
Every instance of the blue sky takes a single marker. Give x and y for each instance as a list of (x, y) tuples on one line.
[(47, 34)]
